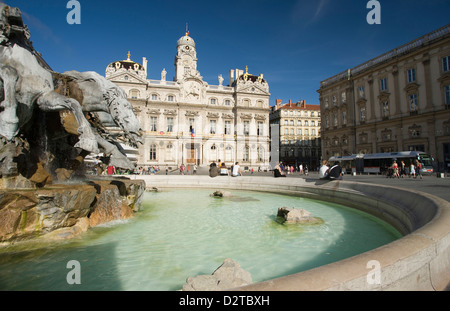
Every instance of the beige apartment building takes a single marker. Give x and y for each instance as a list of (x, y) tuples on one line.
[(398, 101), (298, 125)]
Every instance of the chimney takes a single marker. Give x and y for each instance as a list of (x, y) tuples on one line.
[(231, 76), (278, 101), (144, 63)]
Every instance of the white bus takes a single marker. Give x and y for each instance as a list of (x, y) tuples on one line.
[(379, 163)]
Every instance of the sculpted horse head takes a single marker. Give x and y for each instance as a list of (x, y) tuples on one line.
[(110, 102)]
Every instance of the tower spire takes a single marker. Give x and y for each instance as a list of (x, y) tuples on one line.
[(187, 29)]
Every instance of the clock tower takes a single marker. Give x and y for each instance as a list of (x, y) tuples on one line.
[(186, 58)]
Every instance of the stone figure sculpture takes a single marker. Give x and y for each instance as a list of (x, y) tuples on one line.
[(36, 143), (109, 106), (25, 82)]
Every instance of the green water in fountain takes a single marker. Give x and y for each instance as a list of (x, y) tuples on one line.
[(184, 233)]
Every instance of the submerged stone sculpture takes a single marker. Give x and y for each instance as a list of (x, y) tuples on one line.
[(297, 215), (229, 275)]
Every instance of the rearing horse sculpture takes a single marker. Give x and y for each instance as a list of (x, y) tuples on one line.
[(109, 105), (25, 82)]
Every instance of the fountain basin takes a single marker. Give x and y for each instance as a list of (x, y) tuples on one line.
[(418, 261)]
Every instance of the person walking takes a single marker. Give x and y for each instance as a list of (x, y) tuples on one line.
[(395, 168), (418, 169), (412, 170)]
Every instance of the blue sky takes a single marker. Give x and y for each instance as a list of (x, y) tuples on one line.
[(295, 44)]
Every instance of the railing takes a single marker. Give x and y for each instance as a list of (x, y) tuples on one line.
[(404, 49)]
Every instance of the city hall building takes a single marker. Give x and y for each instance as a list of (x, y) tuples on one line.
[(398, 101), (188, 121)]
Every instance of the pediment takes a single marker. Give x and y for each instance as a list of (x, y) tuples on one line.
[(132, 77), (253, 88)]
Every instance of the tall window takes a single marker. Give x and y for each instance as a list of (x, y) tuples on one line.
[(170, 98), (227, 130), (260, 129), (246, 127), (246, 154), (152, 152), (192, 126), (383, 84), (385, 109), (411, 75), (260, 154), (169, 152), (212, 101), (227, 102), (344, 117), (212, 126), (169, 124), (446, 63), (361, 92), (228, 154), (154, 96), (447, 95), (343, 97), (153, 124), (413, 105), (362, 114)]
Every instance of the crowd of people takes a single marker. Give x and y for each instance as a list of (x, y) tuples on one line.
[(326, 171), (221, 169), (402, 170)]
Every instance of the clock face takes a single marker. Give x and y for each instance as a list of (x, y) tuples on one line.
[(186, 47)]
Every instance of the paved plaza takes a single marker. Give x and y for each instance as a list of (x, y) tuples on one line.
[(431, 184)]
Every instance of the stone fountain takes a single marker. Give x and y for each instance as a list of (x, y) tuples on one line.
[(49, 123)]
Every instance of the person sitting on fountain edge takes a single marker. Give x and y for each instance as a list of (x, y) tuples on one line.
[(335, 172)]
